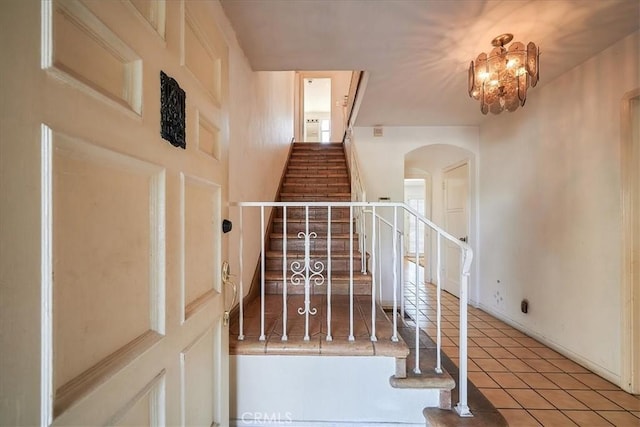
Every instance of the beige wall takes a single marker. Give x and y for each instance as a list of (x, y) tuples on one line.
[(550, 209), (260, 132), (382, 168)]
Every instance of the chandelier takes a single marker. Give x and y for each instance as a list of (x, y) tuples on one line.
[(500, 80)]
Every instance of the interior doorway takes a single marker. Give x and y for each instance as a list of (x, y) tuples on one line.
[(456, 221), (414, 234), (316, 120)]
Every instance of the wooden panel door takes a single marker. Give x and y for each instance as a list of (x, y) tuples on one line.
[(125, 321), (456, 213)]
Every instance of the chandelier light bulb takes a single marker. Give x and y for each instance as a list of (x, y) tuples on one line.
[(500, 79)]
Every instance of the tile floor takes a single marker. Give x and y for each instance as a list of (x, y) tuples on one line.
[(529, 383)]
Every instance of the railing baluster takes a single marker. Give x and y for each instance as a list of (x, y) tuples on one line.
[(438, 305), (462, 407), (351, 337), (402, 284), (285, 337), (394, 337), (307, 280), (241, 267), (417, 287), (374, 260), (262, 273), (379, 263), (329, 337), (363, 241)]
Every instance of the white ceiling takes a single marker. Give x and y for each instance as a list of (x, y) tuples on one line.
[(417, 51)]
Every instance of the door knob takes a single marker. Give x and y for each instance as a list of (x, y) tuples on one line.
[(226, 279)]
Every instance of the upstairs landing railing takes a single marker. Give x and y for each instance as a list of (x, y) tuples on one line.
[(312, 272)]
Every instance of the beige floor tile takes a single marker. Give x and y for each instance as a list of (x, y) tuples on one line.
[(594, 401), (551, 418), (595, 382), (529, 399), (621, 418), (508, 380), (490, 365), (565, 381), (537, 381), (519, 418), (517, 365), (499, 398), (587, 418), (625, 400), (561, 399)]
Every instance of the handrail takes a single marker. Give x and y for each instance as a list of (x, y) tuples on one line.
[(354, 89), (462, 245), (311, 273)]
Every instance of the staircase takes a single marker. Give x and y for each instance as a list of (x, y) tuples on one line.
[(315, 172), (293, 339)]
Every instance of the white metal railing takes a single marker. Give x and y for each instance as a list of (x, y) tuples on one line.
[(310, 273)]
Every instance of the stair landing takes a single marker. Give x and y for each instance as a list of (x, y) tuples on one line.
[(318, 328)]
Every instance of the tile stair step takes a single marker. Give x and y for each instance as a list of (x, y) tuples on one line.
[(340, 261), (316, 162), (340, 284), (336, 289), (319, 244), (338, 154), (318, 197), (315, 213), (315, 189), (311, 171), (317, 145), (319, 226), (320, 159), (336, 187), (318, 180), (317, 167), (305, 174)]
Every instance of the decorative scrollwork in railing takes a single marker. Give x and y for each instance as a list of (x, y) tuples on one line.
[(304, 273)]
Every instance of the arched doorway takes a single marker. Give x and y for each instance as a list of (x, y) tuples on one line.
[(444, 163)]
